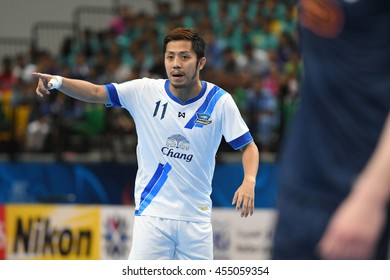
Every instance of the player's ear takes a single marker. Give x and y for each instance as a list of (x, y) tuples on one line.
[(202, 63)]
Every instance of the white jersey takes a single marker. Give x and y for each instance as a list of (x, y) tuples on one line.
[(177, 144)]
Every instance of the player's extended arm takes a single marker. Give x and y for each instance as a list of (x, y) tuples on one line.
[(81, 90), (355, 228), (244, 197)]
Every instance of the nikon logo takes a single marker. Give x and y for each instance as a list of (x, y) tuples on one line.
[(39, 237)]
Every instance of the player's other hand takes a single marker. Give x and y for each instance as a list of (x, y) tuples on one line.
[(45, 83), (244, 198), (354, 229)]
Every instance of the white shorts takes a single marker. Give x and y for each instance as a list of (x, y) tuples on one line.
[(165, 239)]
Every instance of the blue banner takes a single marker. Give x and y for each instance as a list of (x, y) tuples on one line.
[(111, 183)]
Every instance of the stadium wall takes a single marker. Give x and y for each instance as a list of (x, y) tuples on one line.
[(17, 16)]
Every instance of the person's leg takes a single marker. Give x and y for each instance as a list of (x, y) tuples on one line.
[(195, 241), (152, 239)]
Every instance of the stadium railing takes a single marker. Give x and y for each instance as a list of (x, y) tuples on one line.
[(49, 35), (12, 46)]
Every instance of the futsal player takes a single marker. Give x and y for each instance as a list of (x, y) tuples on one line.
[(335, 171), (180, 122)]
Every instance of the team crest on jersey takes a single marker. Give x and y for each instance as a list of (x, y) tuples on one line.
[(174, 143), (203, 118)]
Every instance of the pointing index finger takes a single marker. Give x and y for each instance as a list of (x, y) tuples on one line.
[(40, 75)]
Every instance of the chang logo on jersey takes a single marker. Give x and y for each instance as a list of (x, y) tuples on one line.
[(174, 142), (178, 141), (202, 118)]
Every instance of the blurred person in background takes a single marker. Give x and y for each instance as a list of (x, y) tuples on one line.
[(255, 61), (120, 22), (261, 108), (7, 77), (334, 177), (180, 122)]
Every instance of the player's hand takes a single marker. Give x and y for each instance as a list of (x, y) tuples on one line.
[(244, 198), (353, 231), (45, 83)]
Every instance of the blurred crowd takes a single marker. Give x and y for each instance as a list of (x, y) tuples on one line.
[(252, 53)]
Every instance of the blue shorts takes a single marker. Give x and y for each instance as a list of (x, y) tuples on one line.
[(166, 239)]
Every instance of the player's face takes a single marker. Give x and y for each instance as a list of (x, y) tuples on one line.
[(181, 64)]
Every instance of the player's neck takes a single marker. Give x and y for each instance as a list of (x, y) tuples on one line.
[(186, 93)]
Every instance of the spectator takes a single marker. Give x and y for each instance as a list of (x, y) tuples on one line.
[(255, 61), (262, 113), (119, 24), (7, 78)]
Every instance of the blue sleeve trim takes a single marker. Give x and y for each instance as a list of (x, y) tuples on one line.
[(112, 95), (241, 141), (109, 98)]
